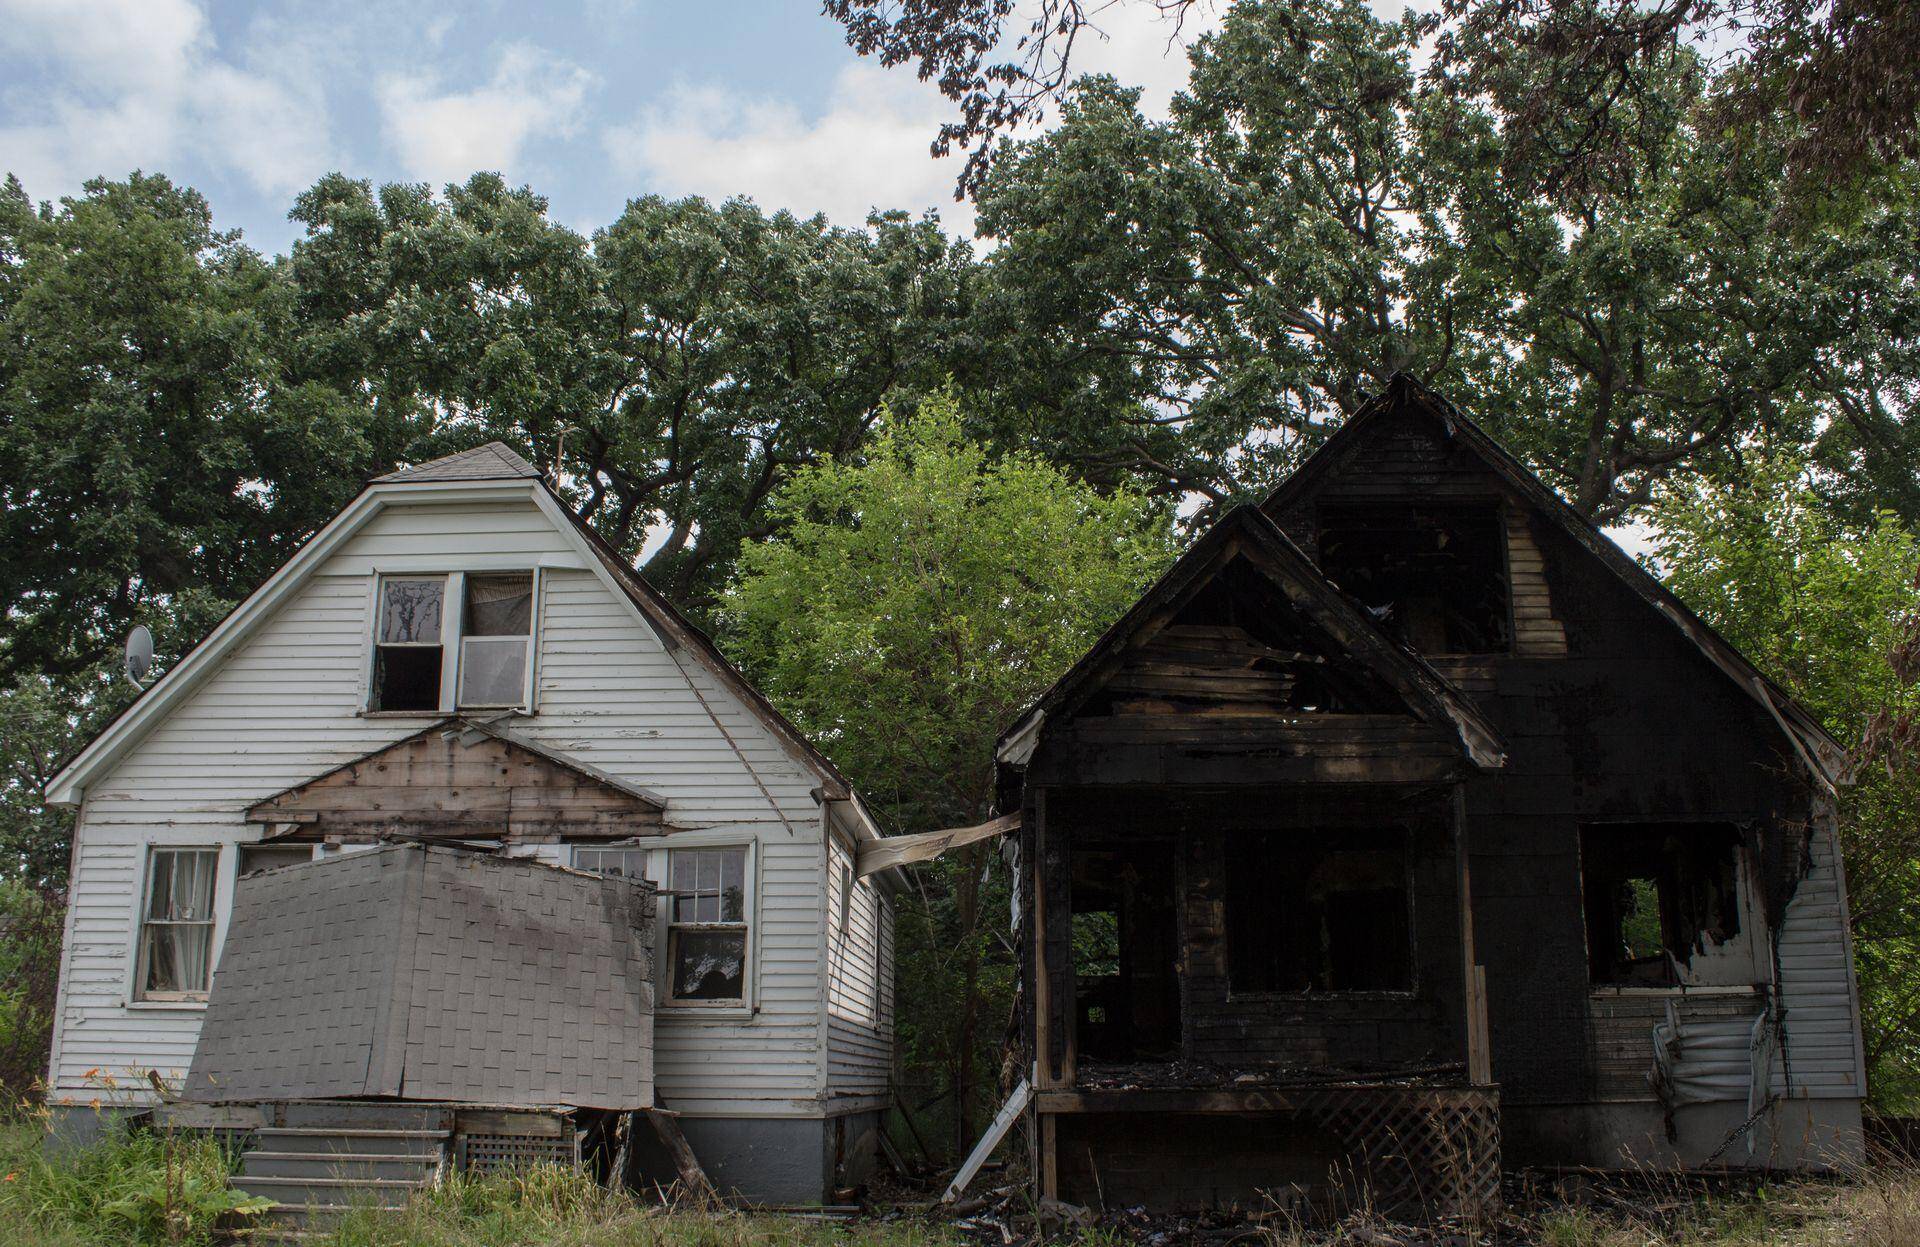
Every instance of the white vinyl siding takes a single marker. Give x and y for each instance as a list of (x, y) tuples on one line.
[(1816, 980), (286, 705), (859, 982)]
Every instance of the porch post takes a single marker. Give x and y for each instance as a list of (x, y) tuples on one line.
[(1473, 975)]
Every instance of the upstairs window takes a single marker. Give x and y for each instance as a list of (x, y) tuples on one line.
[(1319, 912), (1434, 576), (408, 651), (429, 657), (496, 638)]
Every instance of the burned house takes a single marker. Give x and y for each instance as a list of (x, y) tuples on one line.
[(383, 852), (1407, 826)]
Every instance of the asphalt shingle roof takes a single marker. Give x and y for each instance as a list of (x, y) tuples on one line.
[(496, 461)]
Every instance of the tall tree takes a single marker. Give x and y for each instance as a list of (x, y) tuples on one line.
[(1312, 218), (916, 598), (152, 457), (675, 367), (1556, 69)]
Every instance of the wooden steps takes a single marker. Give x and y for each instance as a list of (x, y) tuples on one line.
[(330, 1158)]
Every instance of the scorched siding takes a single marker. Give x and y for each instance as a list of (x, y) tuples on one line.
[(286, 705)]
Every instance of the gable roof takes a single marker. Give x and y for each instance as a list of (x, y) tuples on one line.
[(1321, 605), (495, 461), (595, 554), (1823, 756)]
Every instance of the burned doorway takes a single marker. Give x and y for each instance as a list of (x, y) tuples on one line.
[(1125, 953)]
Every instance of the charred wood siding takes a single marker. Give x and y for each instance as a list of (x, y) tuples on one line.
[(1609, 714)]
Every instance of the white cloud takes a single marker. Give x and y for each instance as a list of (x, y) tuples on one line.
[(142, 84), (443, 135), (868, 147)]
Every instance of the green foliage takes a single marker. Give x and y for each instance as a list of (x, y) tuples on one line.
[(1315, 216), (914, 602), (30, 930), (697, 353), (918, 597), (134, 1187), (1819, 602), (151, 460)]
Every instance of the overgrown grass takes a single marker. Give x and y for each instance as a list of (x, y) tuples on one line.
[(108, 1195), (130, 1188)]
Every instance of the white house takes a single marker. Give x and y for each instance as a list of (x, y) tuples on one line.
[(461, 594)]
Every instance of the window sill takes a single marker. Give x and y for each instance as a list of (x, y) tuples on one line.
[(1603, 991), (186, 1004), (403, 714), (1296, 998), (727, 1011)]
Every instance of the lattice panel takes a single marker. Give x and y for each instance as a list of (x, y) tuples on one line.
[(1424, 1151), (497, 1153)]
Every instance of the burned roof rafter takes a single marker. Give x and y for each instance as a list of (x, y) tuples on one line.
[(1823, 756), (1246, 532)]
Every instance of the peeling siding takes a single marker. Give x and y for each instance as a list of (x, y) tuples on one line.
[(285, 707), (860, 983), (1823, 1056)]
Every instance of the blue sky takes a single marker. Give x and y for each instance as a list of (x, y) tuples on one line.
[(591, 102)]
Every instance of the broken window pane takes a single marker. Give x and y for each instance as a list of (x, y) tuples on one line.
[(709, 965), (410, 611), (1435, 576), (1657, 893), (406, 666), (709, 931), (407, 677), (1321, 912)]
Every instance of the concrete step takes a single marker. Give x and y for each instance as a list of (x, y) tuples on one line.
[(357, 1141), (343, 1192), (365, 1115), (399, 1167)]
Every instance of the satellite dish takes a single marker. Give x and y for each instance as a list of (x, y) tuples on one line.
[(139, 653)]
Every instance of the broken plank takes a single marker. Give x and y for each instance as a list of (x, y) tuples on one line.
[(1002, 1122)]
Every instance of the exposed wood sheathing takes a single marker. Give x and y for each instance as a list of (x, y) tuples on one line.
[(437, 783)]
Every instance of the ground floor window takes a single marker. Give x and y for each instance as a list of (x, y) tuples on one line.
[(176, 926), (1315, 911), (618, 860), (1654, 894), (255, 857), (707, 926)]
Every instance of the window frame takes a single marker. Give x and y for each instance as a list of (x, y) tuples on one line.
[(661, 873), (643, 851), (1498, 506), (1746, 903), (137, 997), (453, 639)]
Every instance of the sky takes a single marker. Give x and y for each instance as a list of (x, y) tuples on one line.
[(590, 102)]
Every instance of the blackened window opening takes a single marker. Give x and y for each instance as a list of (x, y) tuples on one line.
[(1435, 576), (1312, 911), (1124, 947), (1655, 895)]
